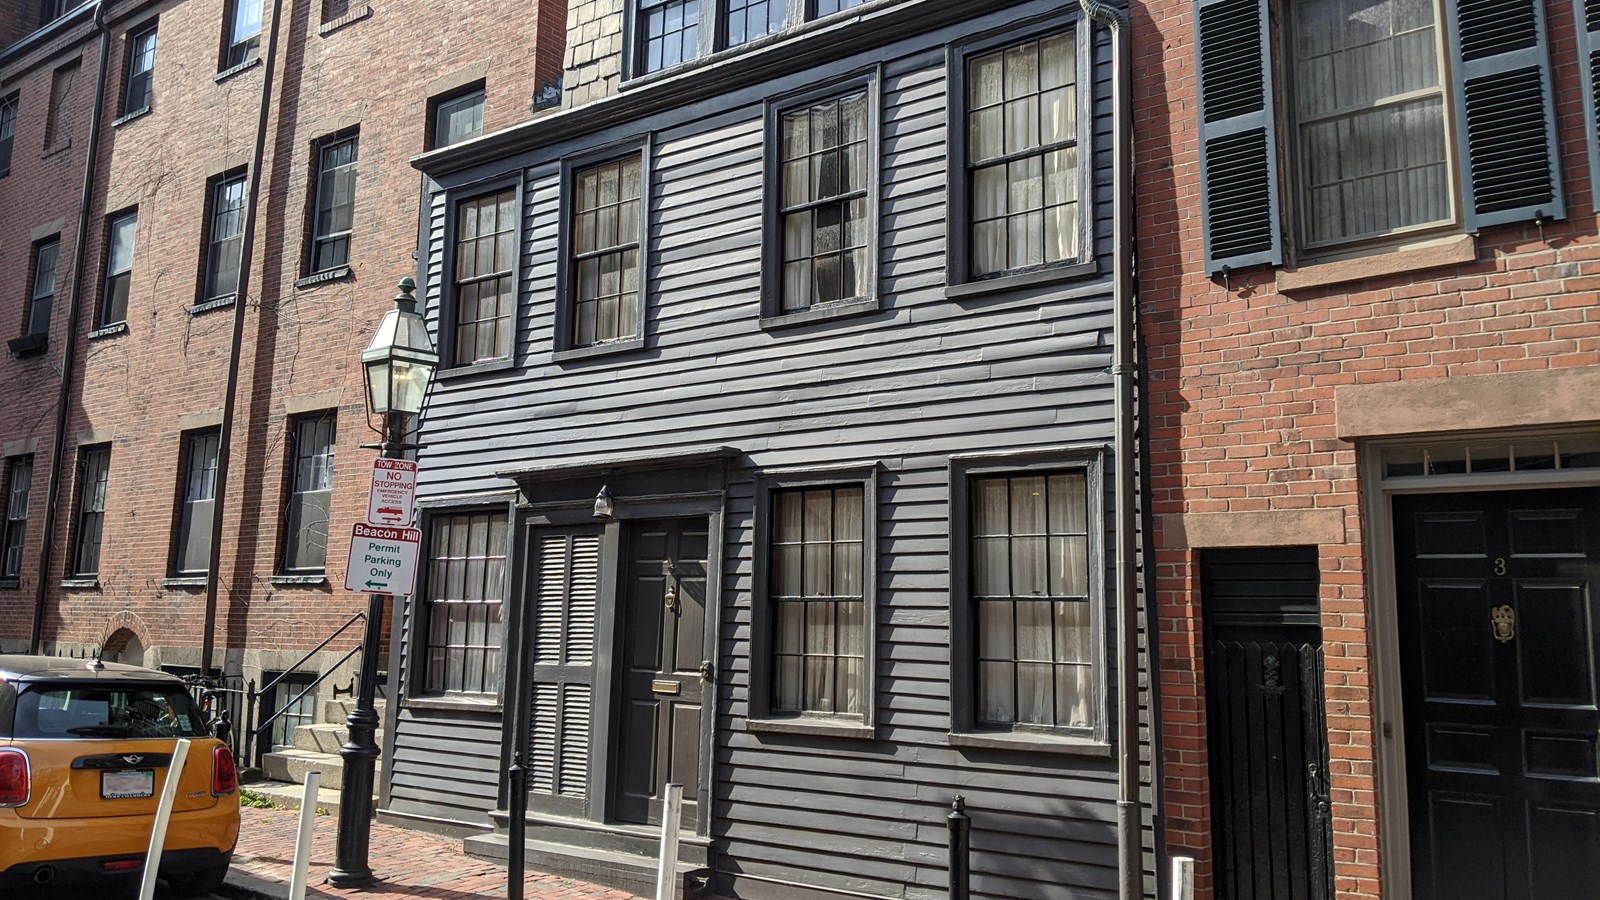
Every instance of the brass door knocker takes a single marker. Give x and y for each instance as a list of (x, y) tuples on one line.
[(671, 571), (1504, 620)]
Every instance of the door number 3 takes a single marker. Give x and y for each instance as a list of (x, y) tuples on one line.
[(1500, 565)]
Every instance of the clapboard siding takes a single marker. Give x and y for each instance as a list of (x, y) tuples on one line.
[(906, 387)]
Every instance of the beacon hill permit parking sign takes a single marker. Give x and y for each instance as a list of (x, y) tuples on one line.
[(383, 559)]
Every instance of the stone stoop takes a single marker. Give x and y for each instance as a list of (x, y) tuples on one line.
[(316, 748)]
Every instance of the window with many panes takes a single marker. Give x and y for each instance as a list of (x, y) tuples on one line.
[(606, 241), (456, 118), (670, 32), (485, 291), (333, 212), (42, 287), (1030, 601), (120, 233), (14, 527), (138, 87), (817, 601), (241, 37), (8, 130), (197, 499), (1022, 175), (464, 590), (224, 237), (294, 702), (305, 515), (94, 474), (824, 205)]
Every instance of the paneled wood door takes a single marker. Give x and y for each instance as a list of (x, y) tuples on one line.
[(1497, 640), (664, 621)]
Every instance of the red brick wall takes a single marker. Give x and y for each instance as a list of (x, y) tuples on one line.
[(1241, 381)]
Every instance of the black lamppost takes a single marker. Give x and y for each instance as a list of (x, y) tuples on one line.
[(399, 363)]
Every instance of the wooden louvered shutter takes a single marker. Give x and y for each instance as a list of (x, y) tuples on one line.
[(561, 696), (1238, 136), (1589, 47), (1505, 120)]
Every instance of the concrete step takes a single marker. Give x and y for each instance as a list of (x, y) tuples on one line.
[(614, 868), (292, 766), (324, 738), (336, 711), (289, 795)]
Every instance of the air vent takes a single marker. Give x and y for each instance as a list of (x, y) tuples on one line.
[(1241, 194), (1230, 59), (1492, 27), (1507, 141)]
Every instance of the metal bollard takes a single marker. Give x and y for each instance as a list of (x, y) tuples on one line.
[(517, 839), (960, 825)]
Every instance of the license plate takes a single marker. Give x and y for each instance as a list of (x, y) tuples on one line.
[(128, 784)]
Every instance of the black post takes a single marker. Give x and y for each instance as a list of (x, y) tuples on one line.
[(360, 752), (517, 840), (960, 825)]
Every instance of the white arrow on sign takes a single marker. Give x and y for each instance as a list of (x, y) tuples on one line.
[(383, 559), (393, 493)]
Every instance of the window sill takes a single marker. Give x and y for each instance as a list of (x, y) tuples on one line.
[(29, 344), (56, 151), (127, 117), (1030, 742), (183, 582), (108, 331), (245, 66), (1392, 260), (209, 305), (1021, 280), (298, 580), (10, 584), (576, 353), (813, 726), (483, 704), (842, 310), (89, 583), (349, 18), (337, 273), (493, 365)]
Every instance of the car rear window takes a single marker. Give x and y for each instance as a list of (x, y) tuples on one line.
[(106, 711)]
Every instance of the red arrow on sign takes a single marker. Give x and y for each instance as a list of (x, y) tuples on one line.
[(389, 510)]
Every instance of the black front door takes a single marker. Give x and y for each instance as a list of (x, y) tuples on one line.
[(1497, 640), (664, 617)]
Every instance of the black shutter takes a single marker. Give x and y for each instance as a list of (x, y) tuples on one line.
[(1505, 121), (1589, 50), (562, 610), (1238, 136)]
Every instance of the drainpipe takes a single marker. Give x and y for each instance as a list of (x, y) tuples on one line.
[(69, 356), (246, 254), (1130, 851)]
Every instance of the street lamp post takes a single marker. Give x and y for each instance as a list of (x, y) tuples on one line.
[(399, 363)]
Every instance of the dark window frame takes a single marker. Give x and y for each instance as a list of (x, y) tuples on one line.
[(215, 188), (959, 279), (294, 491), (448, 288), (104, 312), (137, 94), (316, 240), (772, 236), (712, 37), (438, 103), (41, 305), (236, 51), (14, 520), (94, 460), (566, 346), (422, 679), (184, 505), (964, 728), (761, 716), (9, 104)]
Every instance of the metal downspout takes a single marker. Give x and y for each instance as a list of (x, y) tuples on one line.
[(69, 348), (1130, 849), (246, 257)]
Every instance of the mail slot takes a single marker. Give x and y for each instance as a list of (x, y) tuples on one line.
[(662, 686)]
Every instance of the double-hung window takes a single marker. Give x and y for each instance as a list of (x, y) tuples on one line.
[(197, 498), (606, 246), (224, 237), (8, 130), (120, 233), (241, 36), (484, 287), (94, 475), (138, 87), (670, 32), (465, 588), (456, 118), (334, 209), (305, 516), (14, 527), (42, 293)]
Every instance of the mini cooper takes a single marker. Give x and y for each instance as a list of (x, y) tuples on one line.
[(85, 748)]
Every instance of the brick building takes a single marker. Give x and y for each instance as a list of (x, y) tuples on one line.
[(1369, 275), (133, 293)]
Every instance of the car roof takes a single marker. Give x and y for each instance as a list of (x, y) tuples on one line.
[(19, 667)]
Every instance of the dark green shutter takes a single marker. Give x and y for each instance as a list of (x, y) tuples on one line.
[(1238, 137), (1505, 121), (1589, 50)]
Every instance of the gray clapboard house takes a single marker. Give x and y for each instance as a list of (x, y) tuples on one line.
[(774, 454)]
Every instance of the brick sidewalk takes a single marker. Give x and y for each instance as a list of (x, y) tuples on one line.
[(409, 865)]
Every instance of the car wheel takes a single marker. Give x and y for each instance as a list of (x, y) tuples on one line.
[(197, 883)]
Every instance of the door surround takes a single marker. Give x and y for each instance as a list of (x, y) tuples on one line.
[(1394, 821)]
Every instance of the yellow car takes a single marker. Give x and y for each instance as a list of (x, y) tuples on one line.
[(85, 748)]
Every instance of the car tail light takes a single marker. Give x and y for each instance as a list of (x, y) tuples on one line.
[(224, 777), (121, 865), (14, 779)]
